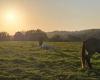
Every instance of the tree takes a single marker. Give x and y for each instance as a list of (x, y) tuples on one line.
[(4, 36), (19, 36), (29, 35), (73, 38), (36, 35), (56, 38)]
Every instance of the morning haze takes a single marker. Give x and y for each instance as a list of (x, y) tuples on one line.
[(49, 39), (49, 15)]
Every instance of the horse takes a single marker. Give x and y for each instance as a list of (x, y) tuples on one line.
[(47, 46), (44, 45), (90, 46)]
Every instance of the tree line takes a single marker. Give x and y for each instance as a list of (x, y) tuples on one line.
[(37, 35), (31, 35)]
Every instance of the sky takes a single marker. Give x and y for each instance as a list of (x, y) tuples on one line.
[(49, 15)]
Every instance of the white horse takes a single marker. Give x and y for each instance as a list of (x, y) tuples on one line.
[(47, 47)]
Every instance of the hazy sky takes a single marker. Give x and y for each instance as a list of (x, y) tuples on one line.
[(49, 15)]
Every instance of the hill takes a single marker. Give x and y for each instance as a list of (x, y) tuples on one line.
[(76, 35)]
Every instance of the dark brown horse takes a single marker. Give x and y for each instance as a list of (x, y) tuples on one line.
[(90, 46)]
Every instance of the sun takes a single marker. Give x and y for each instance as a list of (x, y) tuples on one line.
[(10, 17), (10, 20)]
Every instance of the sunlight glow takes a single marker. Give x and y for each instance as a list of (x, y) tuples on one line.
[(10, 17), (11, 20)]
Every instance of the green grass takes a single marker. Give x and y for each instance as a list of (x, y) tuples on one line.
[(26, 61)]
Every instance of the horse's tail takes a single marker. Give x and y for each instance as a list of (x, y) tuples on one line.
[(83, 55)]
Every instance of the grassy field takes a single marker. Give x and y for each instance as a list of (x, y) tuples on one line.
[(26, 61)]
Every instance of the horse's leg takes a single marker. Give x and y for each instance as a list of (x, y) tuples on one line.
[(83, 53), (88, 60), (83, 59), (88, 63), (83, 62)]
